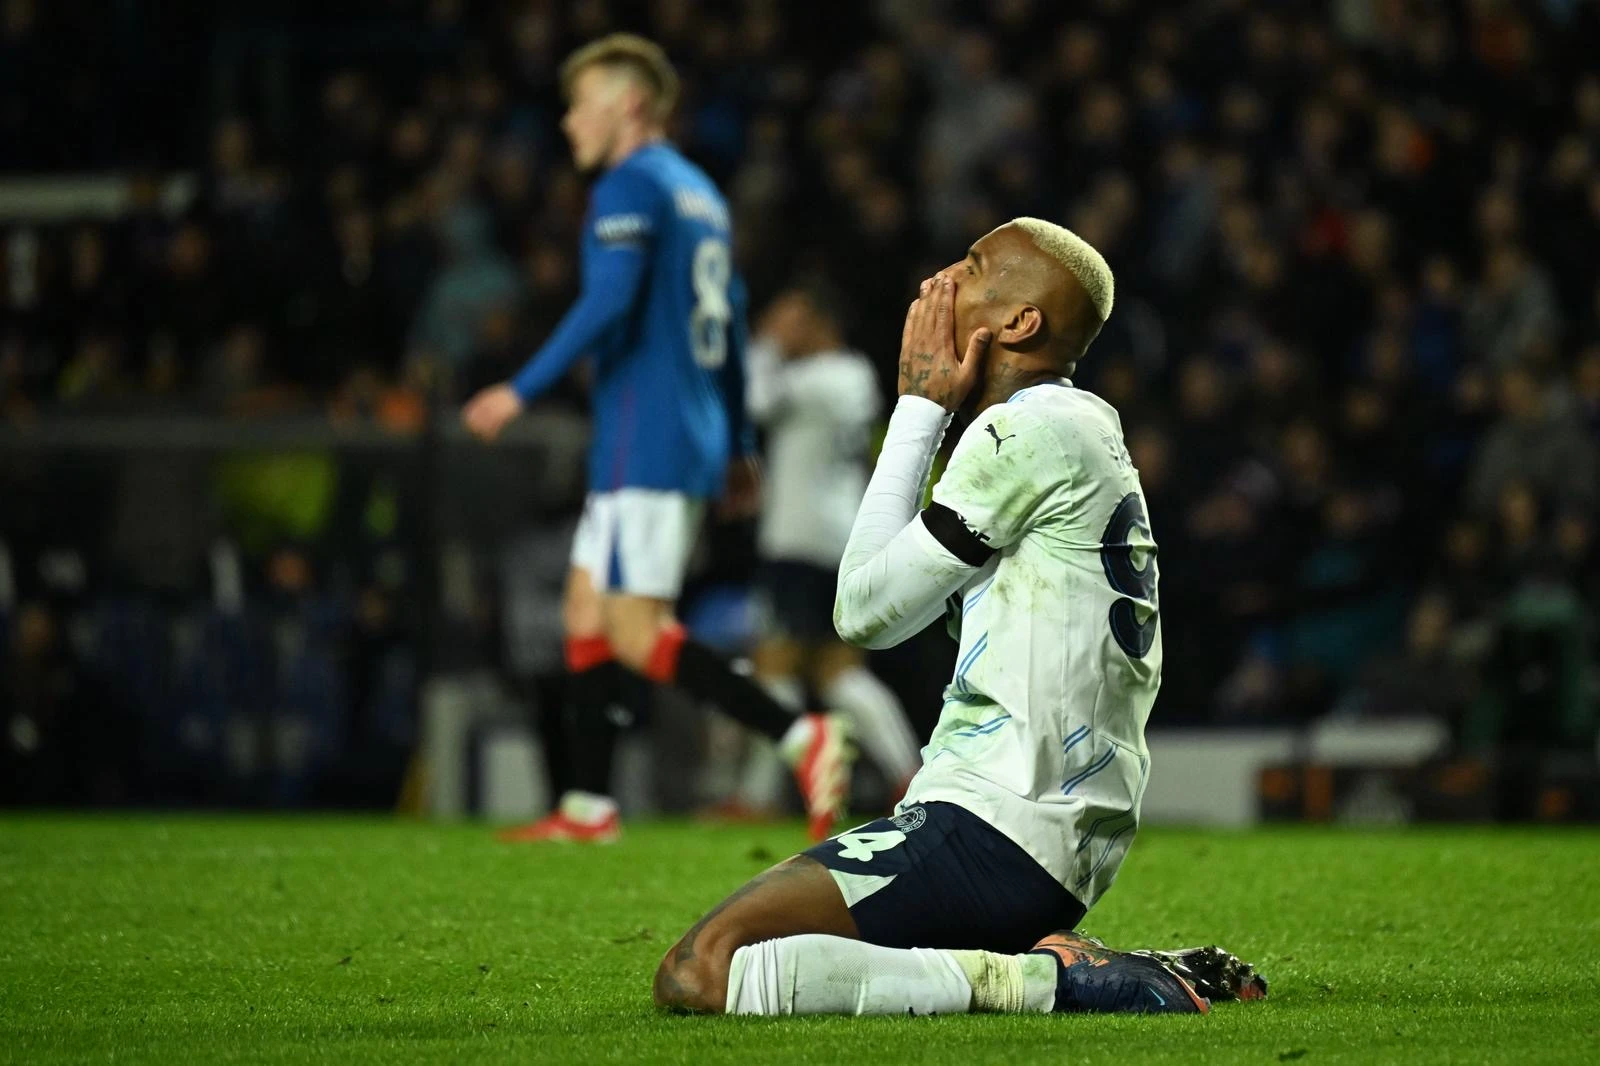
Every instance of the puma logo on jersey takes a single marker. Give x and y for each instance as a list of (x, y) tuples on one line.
[(998, 439)]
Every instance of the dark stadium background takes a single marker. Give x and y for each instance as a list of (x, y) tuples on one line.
[(254, 255)]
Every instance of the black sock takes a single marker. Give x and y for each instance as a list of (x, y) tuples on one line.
[(704, 674), (591, 732)]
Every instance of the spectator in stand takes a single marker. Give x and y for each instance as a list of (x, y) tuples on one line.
[(1429, 678), (69, 735), (475, 290), (1539, 439), (1354, 254)]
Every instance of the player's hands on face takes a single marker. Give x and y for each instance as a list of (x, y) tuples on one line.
[(489, 412), (742, 496), (930, 365)]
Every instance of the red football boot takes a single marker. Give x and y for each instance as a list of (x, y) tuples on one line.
[(581, 819), (818, 748)]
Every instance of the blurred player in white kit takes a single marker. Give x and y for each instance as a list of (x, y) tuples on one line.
[(818, 402)]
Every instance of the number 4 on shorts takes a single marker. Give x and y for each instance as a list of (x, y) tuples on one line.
[(862, 846)]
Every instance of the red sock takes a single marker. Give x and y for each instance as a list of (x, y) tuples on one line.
[(704, 674), (662, 666), (586, 653)]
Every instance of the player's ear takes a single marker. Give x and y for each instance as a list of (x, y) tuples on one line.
[(1025, 323), (632, 97)]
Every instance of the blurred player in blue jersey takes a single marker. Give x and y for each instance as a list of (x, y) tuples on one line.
[(661, 316)]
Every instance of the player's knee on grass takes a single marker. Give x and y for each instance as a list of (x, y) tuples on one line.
[(693, 977), (796, 896)]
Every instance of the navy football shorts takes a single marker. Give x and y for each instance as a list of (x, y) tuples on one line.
[(938, 876), (796, 600)]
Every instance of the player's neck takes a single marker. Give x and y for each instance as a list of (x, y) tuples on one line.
[(1007, 378), (630, 139)]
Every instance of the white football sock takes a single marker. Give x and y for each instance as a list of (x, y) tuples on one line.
[(818, 974), (1009, 984), (787, 690), (764, 778), (589, 808), (878, 721)]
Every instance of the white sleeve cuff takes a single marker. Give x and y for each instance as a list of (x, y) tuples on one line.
[(919, 412)]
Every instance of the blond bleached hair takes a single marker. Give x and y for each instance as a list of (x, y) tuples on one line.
[(1078, 256), (637, 56)]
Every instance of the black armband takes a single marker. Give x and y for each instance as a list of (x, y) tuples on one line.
[(957, 538)]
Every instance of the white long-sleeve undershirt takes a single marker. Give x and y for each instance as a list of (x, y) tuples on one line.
[(895, 576)]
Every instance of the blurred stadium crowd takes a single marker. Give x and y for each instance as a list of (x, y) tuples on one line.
[(1357, 340)]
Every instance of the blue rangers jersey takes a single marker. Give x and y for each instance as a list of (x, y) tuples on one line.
[(661, 313)]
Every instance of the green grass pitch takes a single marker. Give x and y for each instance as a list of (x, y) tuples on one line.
[(175, 940)]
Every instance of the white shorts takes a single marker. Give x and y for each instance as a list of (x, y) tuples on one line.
[(637, 542)]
